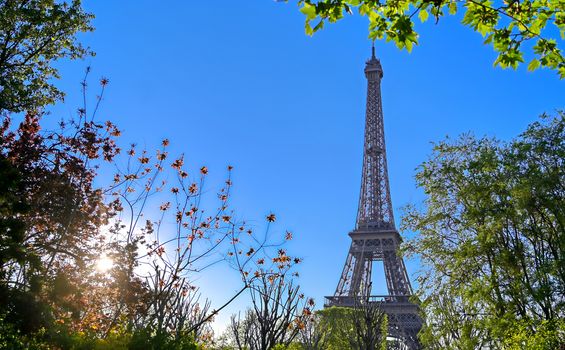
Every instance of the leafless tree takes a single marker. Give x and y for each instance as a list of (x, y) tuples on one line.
[(279, 312), (187, 239), (313, 336), (241, 330)]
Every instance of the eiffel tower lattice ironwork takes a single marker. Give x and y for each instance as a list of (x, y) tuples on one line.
[(375, 237)]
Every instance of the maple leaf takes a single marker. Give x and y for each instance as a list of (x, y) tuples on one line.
[(161, 156), (178, 163), (288, 235), (271, 217), (165, 206), (193, 188)]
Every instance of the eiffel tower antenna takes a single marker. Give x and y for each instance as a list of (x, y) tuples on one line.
[(375, 237)]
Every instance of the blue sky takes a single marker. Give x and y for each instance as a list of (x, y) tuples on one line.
[(238, 82)]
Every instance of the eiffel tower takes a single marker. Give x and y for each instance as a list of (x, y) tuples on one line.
[(375, 237)]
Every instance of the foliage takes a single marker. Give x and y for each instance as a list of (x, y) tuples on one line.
[(11, 206), (336, 326), (545, 335), (11, 338), (59, 214), (56, 224), (370, 324), (63, 212), (492, 240), (363, 326), (63, 338), (506, 25), (312, 336), (34, 34), (51, 207)]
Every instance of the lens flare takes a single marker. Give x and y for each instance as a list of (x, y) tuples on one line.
[(104, 263)]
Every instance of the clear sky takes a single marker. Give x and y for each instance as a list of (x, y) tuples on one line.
[(238, 82)]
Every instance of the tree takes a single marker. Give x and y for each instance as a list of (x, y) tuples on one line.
[(12, 229), (492, 240), (313, 336), (370, 326), (186, 239), (58, 229), (34, 34), (279, 311), (506, 25), (57, 222), (361, 327)]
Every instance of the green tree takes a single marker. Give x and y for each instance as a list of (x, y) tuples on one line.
[(336, 326), (362, 327), (492, 240), (34, 34), (506, 25)]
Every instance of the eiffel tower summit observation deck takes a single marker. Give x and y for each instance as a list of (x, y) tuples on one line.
[(375, 237)]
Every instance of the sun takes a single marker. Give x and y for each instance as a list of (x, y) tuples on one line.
[(104, 263)]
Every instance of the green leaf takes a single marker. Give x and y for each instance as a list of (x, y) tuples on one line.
[(452, 8), (534, 64), (309, 10), (408, 45), (488, 39), (504, 27), (423, 15), (308, 29)]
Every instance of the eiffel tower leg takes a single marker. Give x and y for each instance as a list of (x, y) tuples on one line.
[(395, 272), (367, 283), (358, 275), (345, 280)]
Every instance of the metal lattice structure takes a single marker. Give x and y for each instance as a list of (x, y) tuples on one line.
[(375, 237)]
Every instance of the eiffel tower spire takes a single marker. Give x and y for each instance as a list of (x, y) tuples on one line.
[(375, 205), (375, 237)]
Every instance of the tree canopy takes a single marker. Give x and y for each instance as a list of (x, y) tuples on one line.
[(34, 34), (492, 241), (506, 25)]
